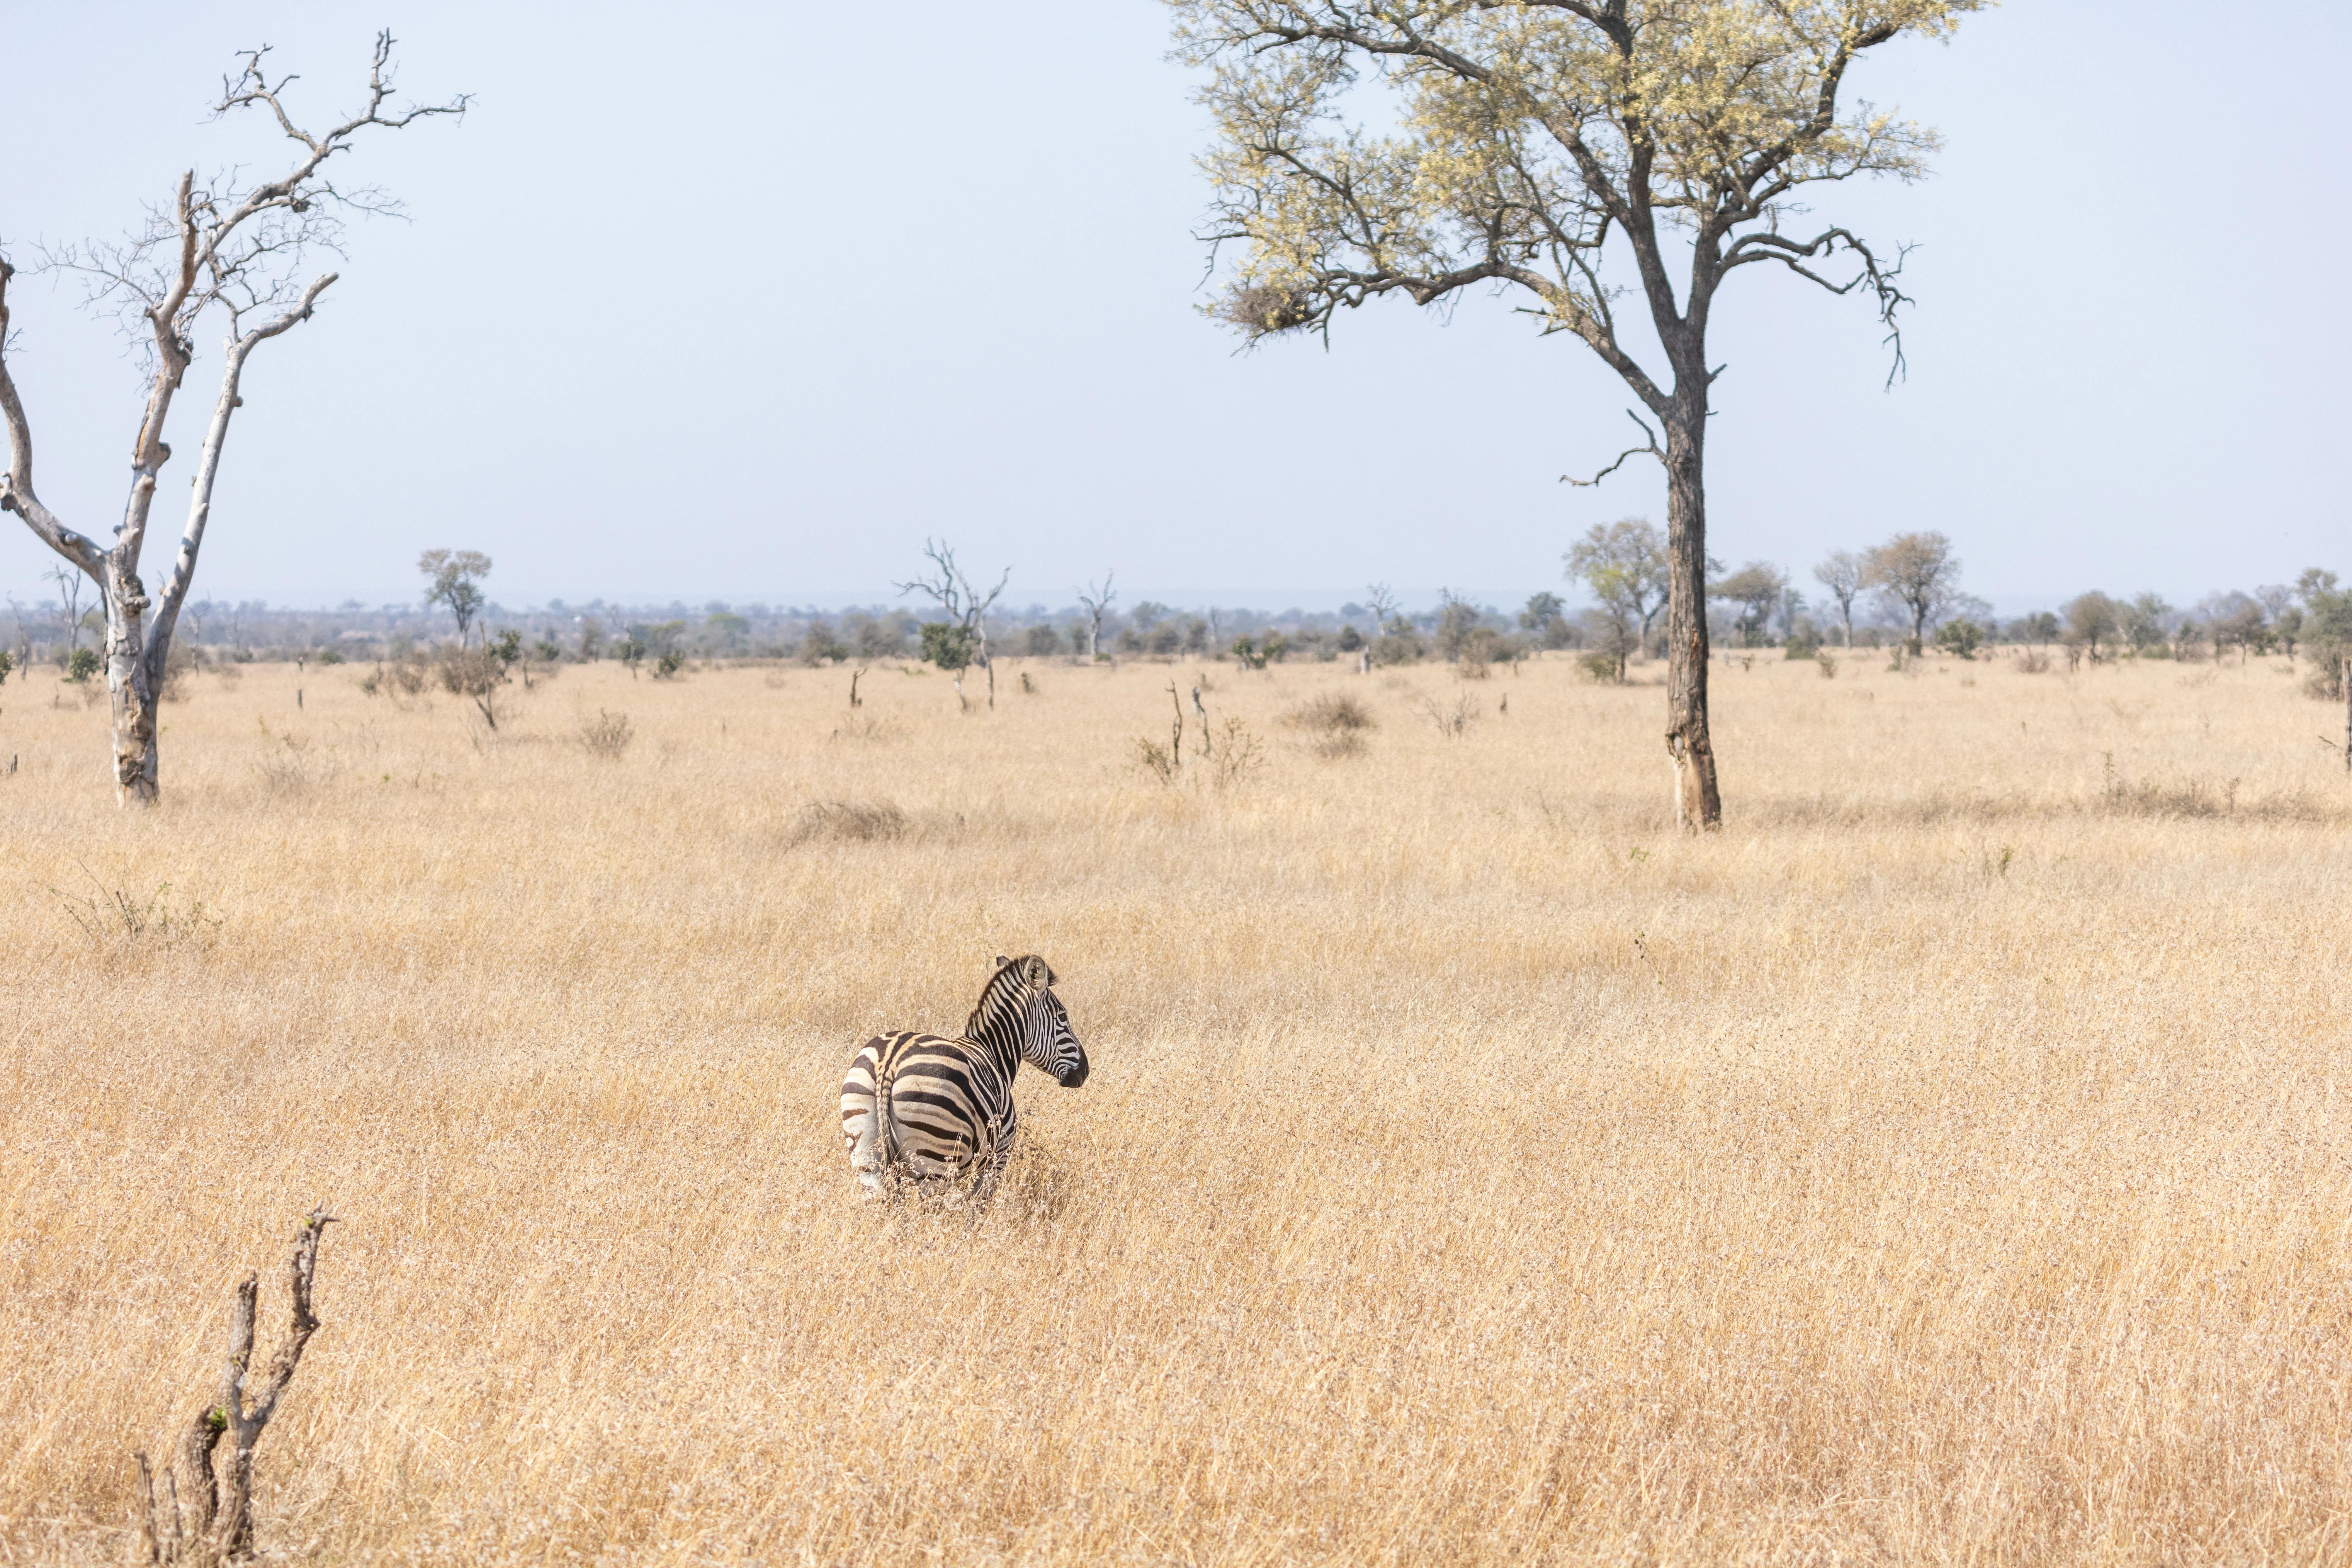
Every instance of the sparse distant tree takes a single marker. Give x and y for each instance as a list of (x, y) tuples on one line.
[(1841, 575), (222, 251), (2144, 621), (1916, 573), (2040, 628), (1789, 612), (453, 581), (1757, 588), (591, 639), (1626, 566), (1539, 146), (70, 614), (1097, 597), (1546, 617), (965, 606), (2091, 622)]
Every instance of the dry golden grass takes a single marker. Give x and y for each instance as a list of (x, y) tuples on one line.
[(1945, 1162)]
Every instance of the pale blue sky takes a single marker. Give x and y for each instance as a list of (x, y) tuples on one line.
[(741, 302)]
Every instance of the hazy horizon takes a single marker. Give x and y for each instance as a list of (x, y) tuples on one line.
[(733, 298)]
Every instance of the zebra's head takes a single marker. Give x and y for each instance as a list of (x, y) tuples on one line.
[(1022, 992)]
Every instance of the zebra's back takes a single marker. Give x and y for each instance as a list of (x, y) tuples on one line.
[(926, 1104)]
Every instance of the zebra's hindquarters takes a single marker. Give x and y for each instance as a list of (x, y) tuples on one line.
[(925, 1107)]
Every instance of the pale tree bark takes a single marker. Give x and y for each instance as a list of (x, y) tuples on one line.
[(1537, 144), (237, 252), (1098, 598)]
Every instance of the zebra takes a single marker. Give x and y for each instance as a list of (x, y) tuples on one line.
[(925, 1106)]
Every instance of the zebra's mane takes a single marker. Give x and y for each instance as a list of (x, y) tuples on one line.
[(1005, 989)]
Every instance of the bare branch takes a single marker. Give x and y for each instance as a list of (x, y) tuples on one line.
[(1650, 445), (16, 493)]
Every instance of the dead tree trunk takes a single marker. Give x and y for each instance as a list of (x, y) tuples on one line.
[(214, 248), (222, 1501)]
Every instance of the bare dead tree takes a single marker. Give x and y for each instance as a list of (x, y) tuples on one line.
[(963, 605), (1099, 598), (222, 1501), (223, 249)]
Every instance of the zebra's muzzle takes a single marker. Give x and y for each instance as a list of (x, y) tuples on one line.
[(1072, 1076)]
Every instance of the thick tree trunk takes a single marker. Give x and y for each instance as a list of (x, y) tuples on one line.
[(129, 684), (1697, 804)]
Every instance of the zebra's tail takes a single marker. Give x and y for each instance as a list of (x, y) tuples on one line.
[(886, 1127)]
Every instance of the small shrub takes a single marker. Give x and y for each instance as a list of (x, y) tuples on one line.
[(82, 665), (1826, 662), (1338, 745), (1238, 755), (1332, 713), (2032, 661), (288, 767), (860, 724), (115, 920), (1155, 757), (331, 656), (666, 667), (1453, 719), (847, 821), (607, 735), (1607, 668)]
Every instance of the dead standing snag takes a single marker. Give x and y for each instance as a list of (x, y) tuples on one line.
[(219, 1518), (216, 247)]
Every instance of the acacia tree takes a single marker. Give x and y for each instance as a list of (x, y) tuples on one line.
[(454, 579), (1916, 574), (221, 249), (1539, 147), (1841, 575), (1625, 565), (1757, 588)]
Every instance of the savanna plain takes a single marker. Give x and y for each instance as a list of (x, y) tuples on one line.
[(1950, 1159)]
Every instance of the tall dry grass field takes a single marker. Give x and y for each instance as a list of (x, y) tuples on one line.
[(1951, 1160)]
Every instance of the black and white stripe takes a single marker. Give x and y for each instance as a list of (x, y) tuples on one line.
[(928, 1107)]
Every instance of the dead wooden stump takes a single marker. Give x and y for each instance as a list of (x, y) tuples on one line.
[(222, 1501)]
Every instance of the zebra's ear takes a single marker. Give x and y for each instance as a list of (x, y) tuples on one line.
[(1036, 972), (1002, 961)]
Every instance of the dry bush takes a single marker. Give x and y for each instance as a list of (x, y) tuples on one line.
[(847, 821), (1331, 713), (865, 727), (607, 735), (1335, 723), (1157, 760), (114, 921), (2031, 661), (1850, 1196), (1452, 719), (1238, 756)]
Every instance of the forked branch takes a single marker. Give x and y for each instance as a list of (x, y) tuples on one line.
[(223, 1503)]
